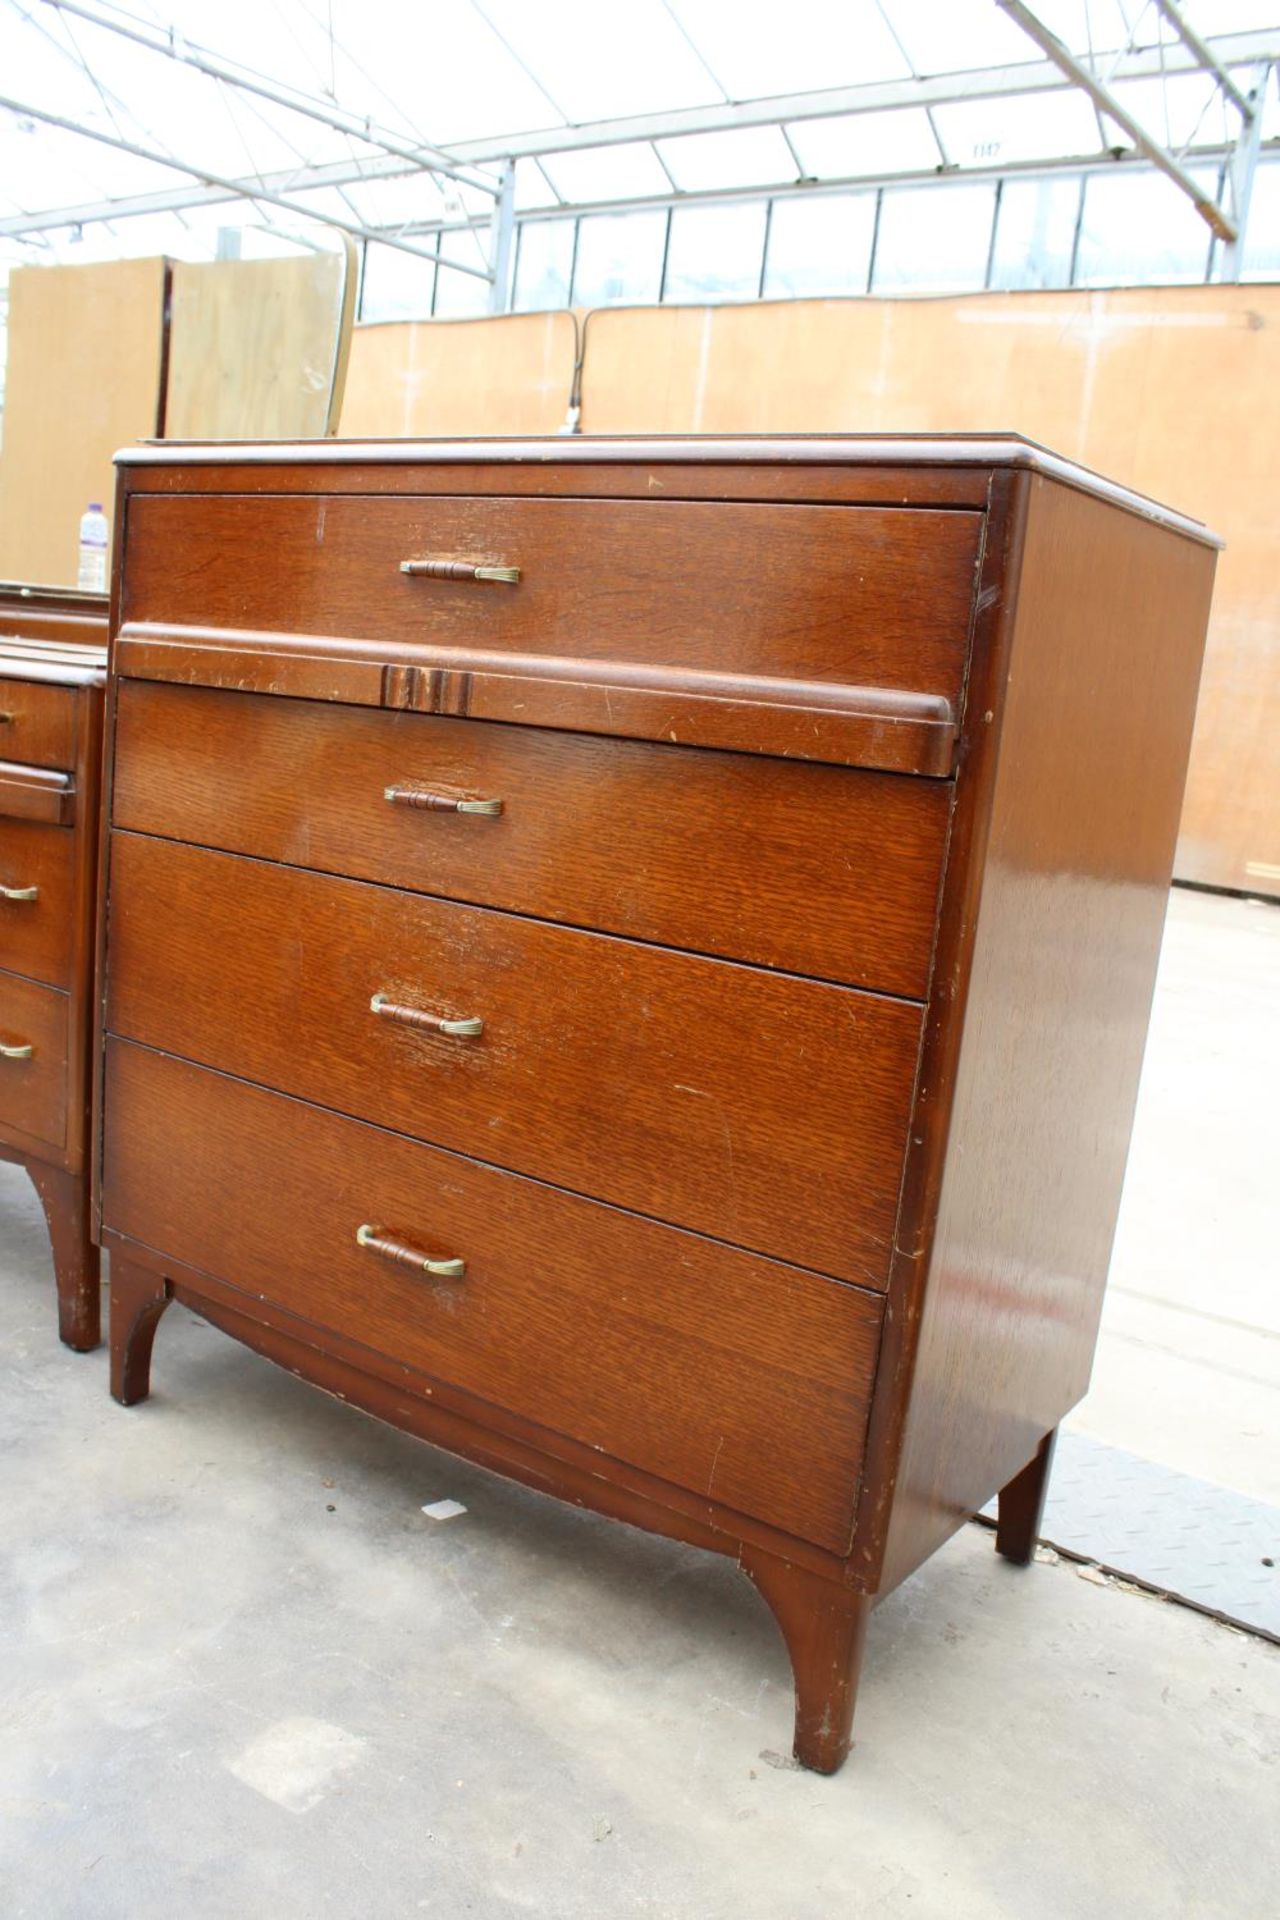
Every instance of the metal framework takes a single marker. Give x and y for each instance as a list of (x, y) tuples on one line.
[(389, 156)]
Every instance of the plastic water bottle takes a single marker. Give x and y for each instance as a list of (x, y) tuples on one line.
[(93, 550)]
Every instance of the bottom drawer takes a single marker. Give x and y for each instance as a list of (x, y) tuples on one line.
[(33, 1085), (720, 1371)]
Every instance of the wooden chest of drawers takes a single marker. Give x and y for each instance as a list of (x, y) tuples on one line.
[(631, 961), (53, 660)]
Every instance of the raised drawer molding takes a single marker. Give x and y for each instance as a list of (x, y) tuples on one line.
[(53, 661), (631, 961)]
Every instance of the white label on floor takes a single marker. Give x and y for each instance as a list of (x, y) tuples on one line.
[(444, 1509), (297, 1762)]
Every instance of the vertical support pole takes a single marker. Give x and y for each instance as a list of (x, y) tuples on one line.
[(1243, 168), (502, 233)]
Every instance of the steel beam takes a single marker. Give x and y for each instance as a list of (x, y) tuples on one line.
[(1244, 167), (172, 45), (1205, 56), (502, 250), (1035, 76), (1103, 97), (1071, 167), (238, 190)]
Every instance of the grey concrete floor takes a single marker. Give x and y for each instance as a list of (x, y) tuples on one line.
[(242, 1674)]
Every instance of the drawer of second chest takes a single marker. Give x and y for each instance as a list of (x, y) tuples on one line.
[(765, 1110), (38, 901), (37, 724), (33, 1060)]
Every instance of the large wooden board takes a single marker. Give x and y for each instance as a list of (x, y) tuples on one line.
[(84, 374), (258, 348), (1174, 390)]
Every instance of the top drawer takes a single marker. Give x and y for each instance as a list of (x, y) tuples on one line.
[(37, 724), (852, 596)]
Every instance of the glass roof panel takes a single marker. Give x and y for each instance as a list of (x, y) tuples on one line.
[(460, 70), (602, 62), (607, 173), (826, 43), (866, 143), (1024, 126), (441, 71), (747, 156), (1181, 110), (957, 35)]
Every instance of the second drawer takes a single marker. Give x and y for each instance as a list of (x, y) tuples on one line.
[(766, 1110)]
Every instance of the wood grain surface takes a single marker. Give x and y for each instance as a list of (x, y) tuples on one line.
[(813, 869), (743, 1379), (1095, 713), (37, 723), (33, 1092), (37, 937), (767, 1111), (861, 596)]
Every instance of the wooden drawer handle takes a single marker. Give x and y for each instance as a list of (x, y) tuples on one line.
[(379, 1242), (439, 802), (388, 1009), (7, 719), (19, 893), (460, 570), (23, 1051)]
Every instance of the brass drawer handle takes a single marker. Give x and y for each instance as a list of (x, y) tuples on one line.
[(429, 802), (379, 1242), (7, 719), (22, 1052), (388, 1009), (460, 570), (19, 893)]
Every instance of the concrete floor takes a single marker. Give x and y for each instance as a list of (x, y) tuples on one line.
[(243, 1675)]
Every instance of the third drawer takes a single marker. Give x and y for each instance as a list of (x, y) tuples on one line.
[(765, 1110)]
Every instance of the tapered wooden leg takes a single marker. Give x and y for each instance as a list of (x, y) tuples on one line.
[(824, 1626), (65, 1199), (1020, 1507), (138, 1298)]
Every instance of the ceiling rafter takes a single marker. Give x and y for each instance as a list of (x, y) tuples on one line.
[(247, 190), (1097, 90), (171, 45), (992, 83)]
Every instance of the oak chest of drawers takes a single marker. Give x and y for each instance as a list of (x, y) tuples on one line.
[(53, 658), (631, 960)]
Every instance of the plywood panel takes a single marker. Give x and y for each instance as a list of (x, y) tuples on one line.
[(257, 348), (1174, 390), (466, 377), (83, 379)]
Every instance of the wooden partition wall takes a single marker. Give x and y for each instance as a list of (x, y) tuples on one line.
[(102, 355), (85, 375), (1174, 390)]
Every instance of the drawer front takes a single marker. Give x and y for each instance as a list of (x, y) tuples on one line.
[(37, 724), (814, 869), (37, 900), (768, 1111), (710, 1368), (865, 596), (33, 1086)]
